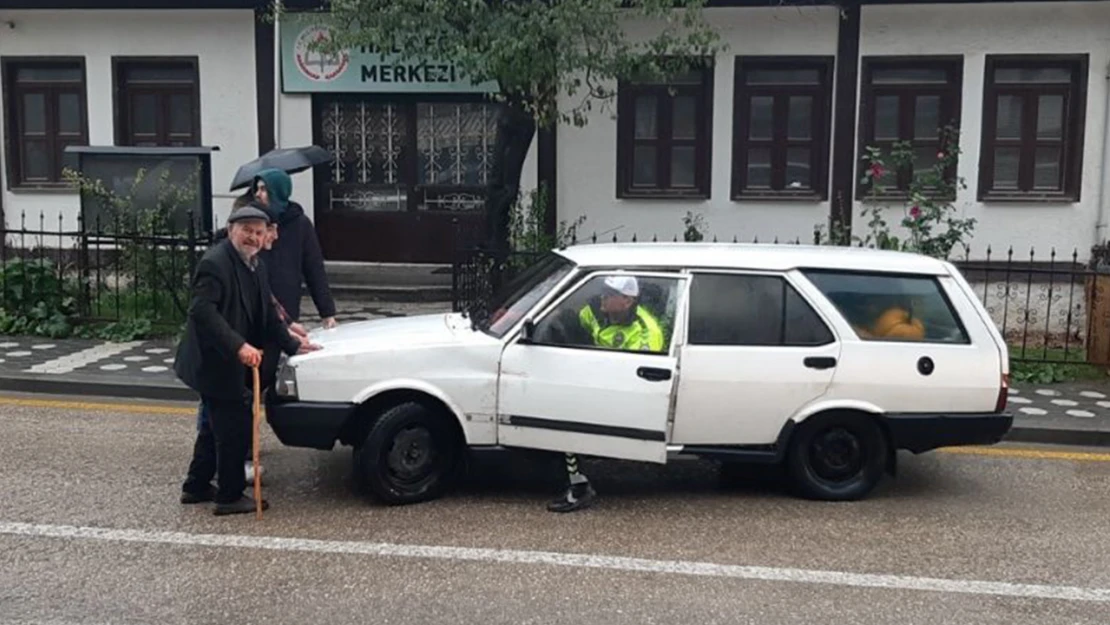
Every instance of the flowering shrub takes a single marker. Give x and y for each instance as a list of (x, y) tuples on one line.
[(932, 224)]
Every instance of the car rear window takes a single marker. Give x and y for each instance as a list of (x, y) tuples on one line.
[(886, 307)]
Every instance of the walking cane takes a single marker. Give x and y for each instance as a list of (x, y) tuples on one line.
[(254, 446)]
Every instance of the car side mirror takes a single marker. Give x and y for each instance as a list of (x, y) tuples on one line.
[(528, 331)]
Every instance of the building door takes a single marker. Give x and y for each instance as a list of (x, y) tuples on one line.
[(410, 178)]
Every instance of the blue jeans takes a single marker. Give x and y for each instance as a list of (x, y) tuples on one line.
[(202, 416)]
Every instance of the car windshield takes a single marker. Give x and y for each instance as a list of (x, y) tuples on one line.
[(522, 293)]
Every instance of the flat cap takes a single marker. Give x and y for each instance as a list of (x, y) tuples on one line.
[(250, 211)]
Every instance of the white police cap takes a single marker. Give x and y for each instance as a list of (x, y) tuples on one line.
[(625, 285)]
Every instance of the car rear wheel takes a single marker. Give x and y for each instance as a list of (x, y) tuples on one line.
[(410, 454), (837, 456)]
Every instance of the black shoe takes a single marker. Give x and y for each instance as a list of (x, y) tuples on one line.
[(242, 505), (577, 497), (206, 495)]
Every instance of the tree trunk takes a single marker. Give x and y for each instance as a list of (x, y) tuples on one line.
[(515, 130)]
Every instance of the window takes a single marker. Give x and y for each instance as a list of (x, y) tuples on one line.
[(663, 136), (1033, 112), (909, 99), (524, 292), (732, 309), (891, 307), (397, 155), (590, 318), (45, 108), (157, 102), (780, 138)]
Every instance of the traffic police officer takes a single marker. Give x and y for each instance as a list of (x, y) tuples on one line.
[(617, 321)]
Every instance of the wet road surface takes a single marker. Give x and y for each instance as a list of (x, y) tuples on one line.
[(91, 532)]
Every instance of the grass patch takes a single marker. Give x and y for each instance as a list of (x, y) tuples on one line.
[(1061, 366)]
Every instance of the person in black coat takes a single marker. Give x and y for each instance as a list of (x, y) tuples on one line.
[(230, 313), (271, 352), (296, 255)]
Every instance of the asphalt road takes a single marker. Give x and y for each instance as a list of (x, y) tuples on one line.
[(91, 532)]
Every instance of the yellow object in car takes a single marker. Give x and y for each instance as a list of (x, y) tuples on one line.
[(897, 323)]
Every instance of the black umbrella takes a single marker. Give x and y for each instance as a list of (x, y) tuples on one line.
[(290, 160)]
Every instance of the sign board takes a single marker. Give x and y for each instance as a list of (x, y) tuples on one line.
[(361, 70), (117, 169)]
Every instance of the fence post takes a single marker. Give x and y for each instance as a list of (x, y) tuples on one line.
[(83, 267), (1098, 316), (192, 240)]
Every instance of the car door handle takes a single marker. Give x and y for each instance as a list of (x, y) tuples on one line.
[(820, 362), (654, 374)]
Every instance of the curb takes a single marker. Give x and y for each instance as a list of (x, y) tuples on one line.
[(53, 385), (1058, 436)]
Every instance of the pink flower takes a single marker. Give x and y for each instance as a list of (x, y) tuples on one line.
[(940, 155), (876, 170), (915, 212)]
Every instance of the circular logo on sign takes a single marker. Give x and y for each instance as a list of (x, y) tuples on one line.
[(317, 65)]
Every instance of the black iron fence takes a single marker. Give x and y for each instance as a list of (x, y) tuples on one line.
[(1050, 307), (52, 277)]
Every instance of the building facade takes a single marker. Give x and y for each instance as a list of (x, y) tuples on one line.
[(756, 149), (763, 143), (127, 77)]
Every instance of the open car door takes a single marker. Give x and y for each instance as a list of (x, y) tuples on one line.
[(560, 391)]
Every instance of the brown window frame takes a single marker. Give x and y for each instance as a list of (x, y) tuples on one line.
[(627, 92), (123, 91), (14, 117), (951, 103), (1072, 136), (820, 125)]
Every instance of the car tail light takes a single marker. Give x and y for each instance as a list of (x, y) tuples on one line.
[(1003, 393)]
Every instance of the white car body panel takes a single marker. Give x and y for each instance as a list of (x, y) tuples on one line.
[(438, 354), (966, 378)]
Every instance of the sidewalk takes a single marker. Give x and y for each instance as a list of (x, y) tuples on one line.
[(140, 369), (1072, 413), (1069, 413)]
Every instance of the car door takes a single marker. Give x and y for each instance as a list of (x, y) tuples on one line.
[(558, 391), (756, 352)]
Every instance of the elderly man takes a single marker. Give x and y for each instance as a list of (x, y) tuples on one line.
[(270, 352), (230, 316), (615, 321)]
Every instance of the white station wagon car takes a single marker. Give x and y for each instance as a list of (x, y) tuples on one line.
[(822, 360)]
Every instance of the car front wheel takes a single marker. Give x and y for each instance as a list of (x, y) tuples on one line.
[(411, 454), (837, 456)]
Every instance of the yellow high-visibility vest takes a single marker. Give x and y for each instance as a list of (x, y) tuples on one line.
[(643, 334)]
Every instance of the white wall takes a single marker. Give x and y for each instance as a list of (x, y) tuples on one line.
[(294, 115), (587, 156), (1011, 28), (587, 165), (223, 41)]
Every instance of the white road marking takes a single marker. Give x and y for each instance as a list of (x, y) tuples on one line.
[(513, 556)]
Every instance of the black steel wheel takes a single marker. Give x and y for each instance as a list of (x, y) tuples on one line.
[(837, 456), (411, 454)]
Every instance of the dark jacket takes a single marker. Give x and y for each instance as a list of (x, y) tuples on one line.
[(219, 318), (296, 256), (271, 352)]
